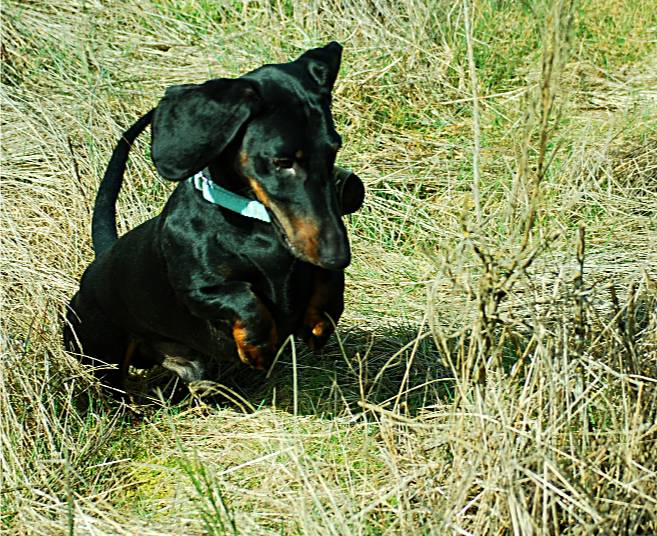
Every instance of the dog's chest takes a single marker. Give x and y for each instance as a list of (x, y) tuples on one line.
[(205, 247), (284, 282)]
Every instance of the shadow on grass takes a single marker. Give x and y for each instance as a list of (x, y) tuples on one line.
[(392, 366)]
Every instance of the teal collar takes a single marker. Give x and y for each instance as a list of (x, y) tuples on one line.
[(217, 195)]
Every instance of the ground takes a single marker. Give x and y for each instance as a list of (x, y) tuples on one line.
[(495, 371)]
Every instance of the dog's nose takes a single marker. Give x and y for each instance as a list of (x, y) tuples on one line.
[(336, 254), (336, 263)]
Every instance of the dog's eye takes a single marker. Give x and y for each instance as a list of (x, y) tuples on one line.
[(283, 163)]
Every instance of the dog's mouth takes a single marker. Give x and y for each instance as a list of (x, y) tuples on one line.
[(311, 253), (303, 236), (283, 237)]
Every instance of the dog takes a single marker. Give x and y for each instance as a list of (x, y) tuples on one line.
[(250, 247)]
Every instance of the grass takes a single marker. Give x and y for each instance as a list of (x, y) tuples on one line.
[(496, 368)]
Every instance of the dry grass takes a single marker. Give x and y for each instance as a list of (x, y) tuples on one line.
[(496, 370)]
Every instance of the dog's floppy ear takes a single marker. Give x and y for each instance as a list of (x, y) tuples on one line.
[(323, 63), (193, 124), (351, 190)]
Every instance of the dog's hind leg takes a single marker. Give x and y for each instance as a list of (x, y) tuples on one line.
[(91, 335), (187, 364)]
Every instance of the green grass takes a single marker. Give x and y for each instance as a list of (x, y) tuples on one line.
[(482, 383)]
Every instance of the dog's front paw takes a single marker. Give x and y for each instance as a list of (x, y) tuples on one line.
[(317, 328), (254, 351)]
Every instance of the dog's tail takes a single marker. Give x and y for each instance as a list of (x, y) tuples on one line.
[(103, 221)]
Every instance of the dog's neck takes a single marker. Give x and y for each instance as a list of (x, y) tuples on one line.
[(227, 178), (220, 195)]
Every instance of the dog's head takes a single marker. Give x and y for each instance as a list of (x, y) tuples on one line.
[(278, 122)]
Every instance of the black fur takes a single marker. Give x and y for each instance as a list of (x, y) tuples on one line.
[(198, 281)]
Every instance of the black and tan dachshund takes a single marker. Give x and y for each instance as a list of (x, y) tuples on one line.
[(250, 247)]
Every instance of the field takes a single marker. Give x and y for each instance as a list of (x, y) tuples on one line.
[(495, 370)]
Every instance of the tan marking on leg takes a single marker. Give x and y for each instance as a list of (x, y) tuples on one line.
[(319, 328), (250, 354), (315, 319), (239, 334)]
